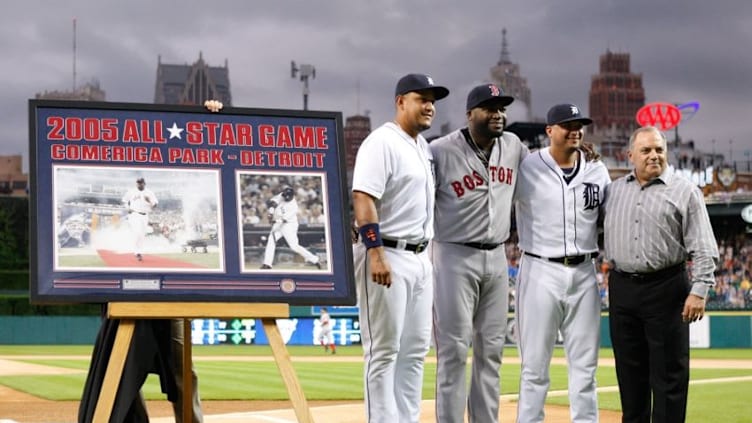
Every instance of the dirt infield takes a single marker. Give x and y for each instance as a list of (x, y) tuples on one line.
[(20, 407), (23, 408)]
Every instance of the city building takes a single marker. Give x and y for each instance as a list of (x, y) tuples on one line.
[(356, 130), (90, 91), (12, 179), (616, 94), (192, 84), (507, 75)]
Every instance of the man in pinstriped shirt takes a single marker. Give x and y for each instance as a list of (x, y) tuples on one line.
[(655, 221)]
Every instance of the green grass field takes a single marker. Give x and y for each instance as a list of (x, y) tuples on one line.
[(722, 401)]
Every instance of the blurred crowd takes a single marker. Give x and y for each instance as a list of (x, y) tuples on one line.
[(733, 287)]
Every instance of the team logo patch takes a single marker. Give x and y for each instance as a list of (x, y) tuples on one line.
[(592, 196), (494, 90), (371, 235), (575, 111), (430, 80)]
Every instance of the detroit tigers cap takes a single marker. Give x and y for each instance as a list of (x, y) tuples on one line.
[(487, 93), (566, 112), (419, 82)]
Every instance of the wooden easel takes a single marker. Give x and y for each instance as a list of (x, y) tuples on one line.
[(129, 312)]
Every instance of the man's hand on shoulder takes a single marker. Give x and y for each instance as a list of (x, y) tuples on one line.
[(590, 154)]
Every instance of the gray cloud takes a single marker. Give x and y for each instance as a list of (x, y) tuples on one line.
[(688, 50)]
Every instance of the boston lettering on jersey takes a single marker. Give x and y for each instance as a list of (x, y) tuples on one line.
[(498, 174)]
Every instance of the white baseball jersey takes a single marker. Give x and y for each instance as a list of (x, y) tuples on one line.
[(468, 192), (285, 211), (396, 170), (556, 219), (136, 200)]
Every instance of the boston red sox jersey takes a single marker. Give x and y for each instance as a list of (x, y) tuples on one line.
[(467, 189), (556, 219), (286, 211), (396, 170), (136, 200)]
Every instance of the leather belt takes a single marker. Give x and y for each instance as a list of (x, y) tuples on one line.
[(482, 245), (652, 276), (402, 245), (568, 260)]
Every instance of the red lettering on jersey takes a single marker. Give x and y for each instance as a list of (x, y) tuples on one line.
[(458, 189), (478, 179), (509, 176)]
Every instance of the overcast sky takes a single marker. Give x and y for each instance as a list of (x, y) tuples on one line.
[(686, 50)]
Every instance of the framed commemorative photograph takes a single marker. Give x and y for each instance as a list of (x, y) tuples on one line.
[(137, 220), (284, 221), (143, 202)]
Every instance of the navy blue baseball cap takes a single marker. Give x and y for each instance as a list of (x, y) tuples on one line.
[(487, 93), (567, 112), (419, 82)]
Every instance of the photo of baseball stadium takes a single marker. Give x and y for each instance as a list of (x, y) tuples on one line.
[(285, 223), (139, 220)]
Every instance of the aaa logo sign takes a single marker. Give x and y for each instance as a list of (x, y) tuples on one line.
[(663, 116)]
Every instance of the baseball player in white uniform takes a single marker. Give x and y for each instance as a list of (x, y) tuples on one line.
[(558, 202), (393, 201), (326, 338), (476, 173), (139, 201), (283, 208)]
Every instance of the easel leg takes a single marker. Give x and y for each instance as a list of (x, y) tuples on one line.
[(114, 372), (287, 372)]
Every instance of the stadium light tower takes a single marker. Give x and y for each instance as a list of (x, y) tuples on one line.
[(306, 72)]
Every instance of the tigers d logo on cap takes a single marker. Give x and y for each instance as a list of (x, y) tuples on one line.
[(566, 112)]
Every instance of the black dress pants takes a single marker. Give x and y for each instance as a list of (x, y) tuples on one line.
[(651, 344)]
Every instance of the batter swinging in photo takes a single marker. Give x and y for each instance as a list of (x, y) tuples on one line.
[(283, 209)]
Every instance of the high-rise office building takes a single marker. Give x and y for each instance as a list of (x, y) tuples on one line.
[(356, 130), (12, 179), (192, 84), (507, 75), (90, 91), (615, 96)]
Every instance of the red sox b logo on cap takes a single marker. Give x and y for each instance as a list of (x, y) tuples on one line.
[(494, 90)]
